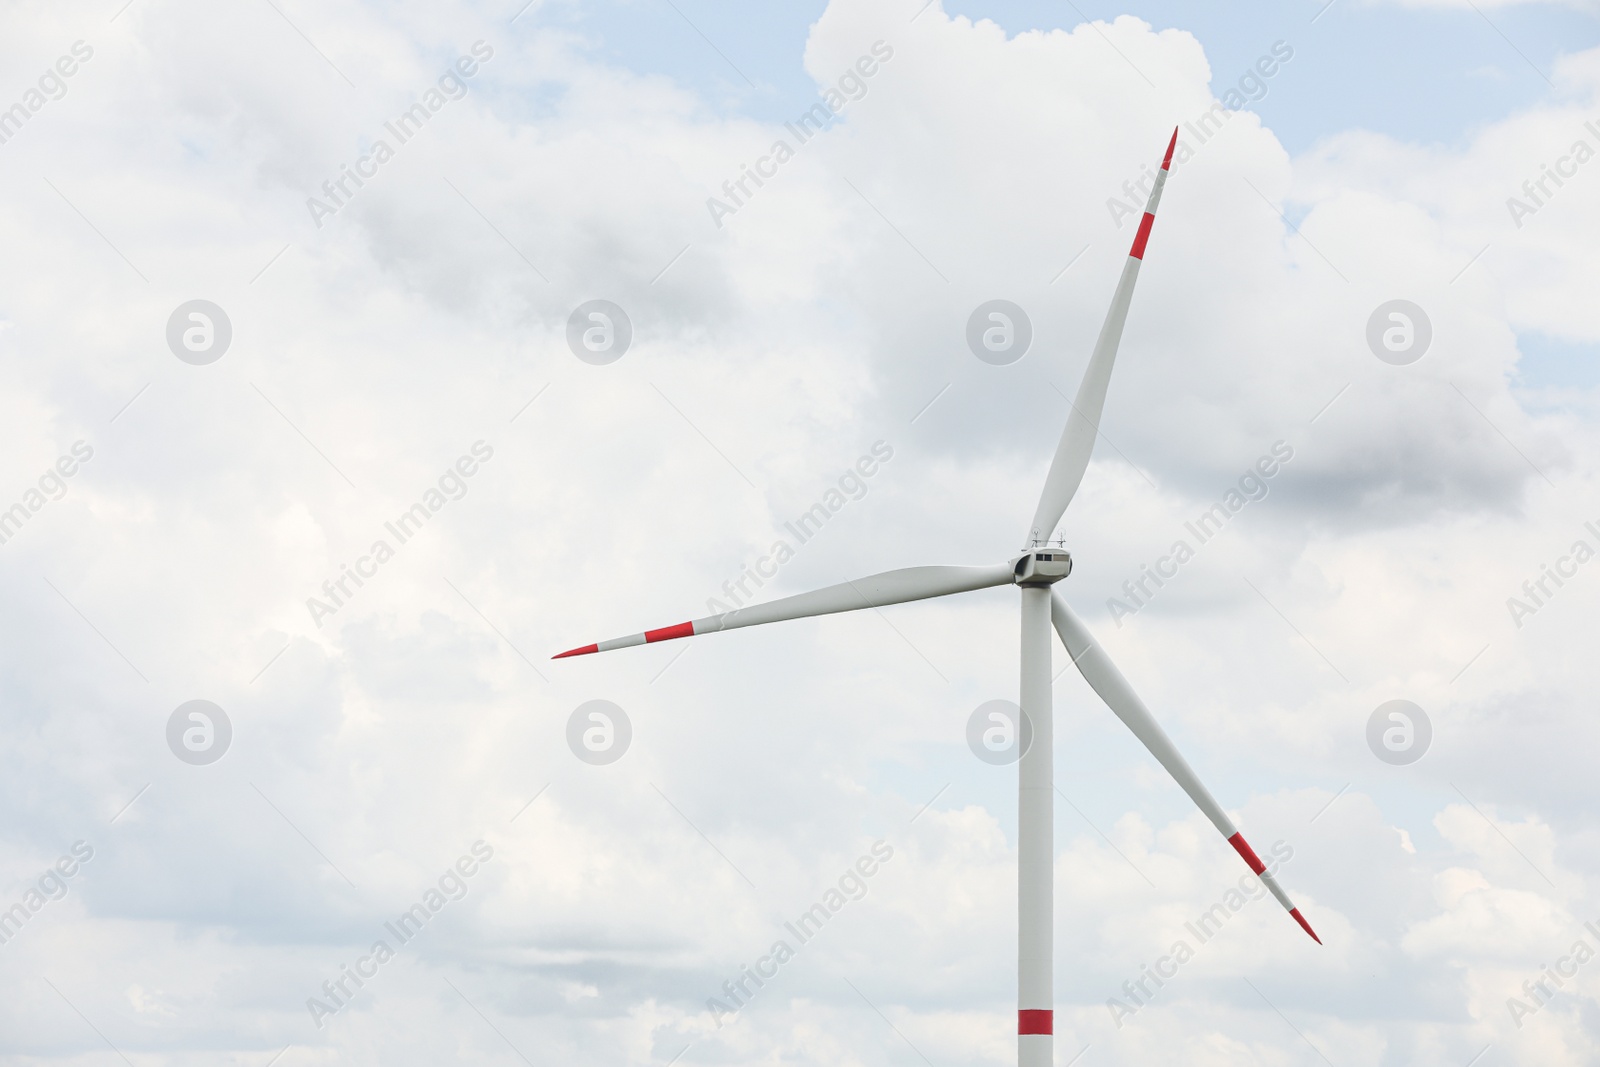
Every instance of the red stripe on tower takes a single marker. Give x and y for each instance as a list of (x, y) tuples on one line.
[(1035, 1021), (667, 633), (1145, 223), (1166, 164), (1242, 847), (584, 651)]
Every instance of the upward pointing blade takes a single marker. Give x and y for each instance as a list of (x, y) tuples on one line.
[(1104, 678), (1083, 421), (875, 591)]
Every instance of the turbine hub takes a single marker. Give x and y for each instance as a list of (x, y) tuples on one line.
[(1041, 566)]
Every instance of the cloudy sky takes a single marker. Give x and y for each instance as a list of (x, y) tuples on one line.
[(259, 331)]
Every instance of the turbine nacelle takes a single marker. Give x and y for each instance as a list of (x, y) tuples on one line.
[(1041, 566)]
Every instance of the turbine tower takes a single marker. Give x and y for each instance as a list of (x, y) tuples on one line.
[(1034, 571)]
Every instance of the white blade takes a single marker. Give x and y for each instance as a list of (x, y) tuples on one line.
[(1104, 678), (875, 591), (1083, 421)]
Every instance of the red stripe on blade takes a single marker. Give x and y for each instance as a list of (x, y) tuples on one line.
[(1035, 1021), (667, 633), (1166, 164), (584, 651), (1145, 223), (1242, 847), (1301, 919)]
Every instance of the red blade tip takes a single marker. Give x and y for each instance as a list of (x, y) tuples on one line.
[(1301, 919), (1166, 164), (584, 651)]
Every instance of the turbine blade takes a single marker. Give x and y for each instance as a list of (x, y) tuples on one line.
[(1083, 421), (1104, 678), (875, 591)]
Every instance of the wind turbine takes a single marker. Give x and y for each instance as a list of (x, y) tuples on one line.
[(1034, 571)]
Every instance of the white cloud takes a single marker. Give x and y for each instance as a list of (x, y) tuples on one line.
[(1467, 5), (820, 318)]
